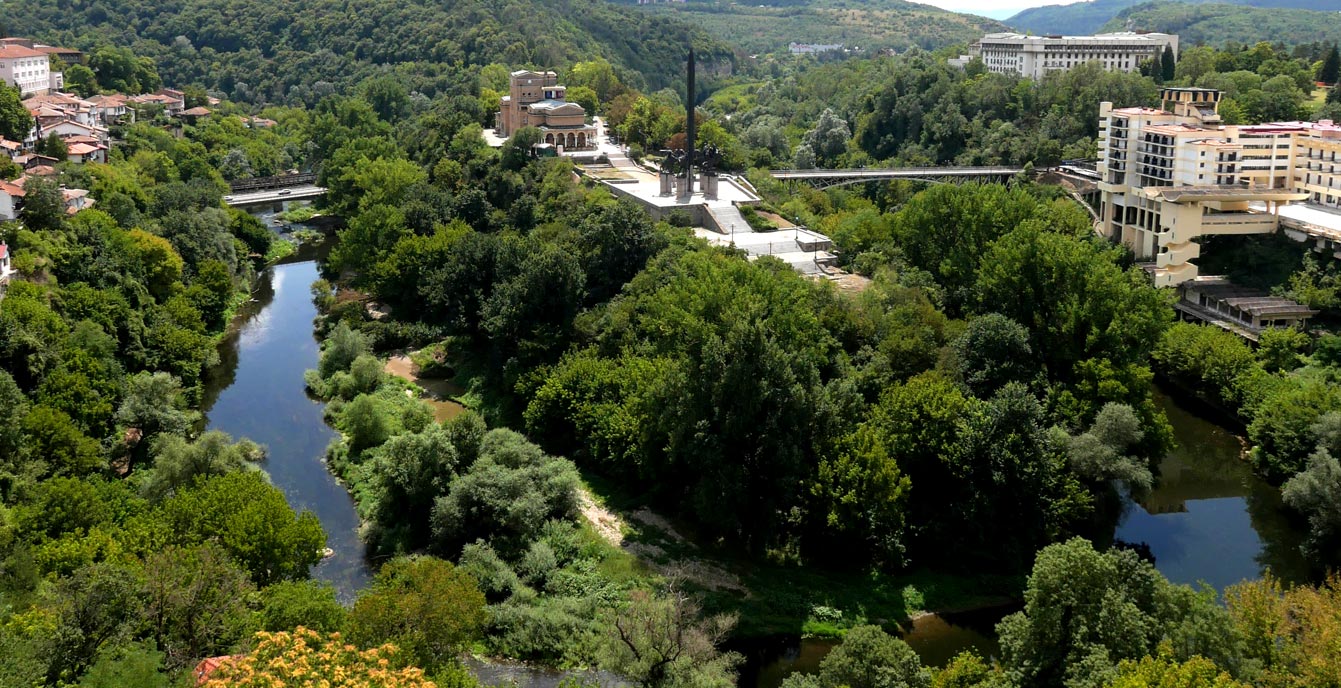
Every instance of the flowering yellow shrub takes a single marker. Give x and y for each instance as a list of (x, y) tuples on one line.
[(304, 658)]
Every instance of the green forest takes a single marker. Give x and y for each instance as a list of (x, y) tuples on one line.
[(667, 451), (299, 52)]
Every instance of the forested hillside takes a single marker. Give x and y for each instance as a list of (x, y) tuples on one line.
[(300, 50), (1083, 18), (1217, 23), (769, 27)]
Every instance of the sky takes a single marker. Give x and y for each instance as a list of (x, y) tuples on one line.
[(997, 9)]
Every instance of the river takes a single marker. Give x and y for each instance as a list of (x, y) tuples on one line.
[(257, 391), (1209, 519)]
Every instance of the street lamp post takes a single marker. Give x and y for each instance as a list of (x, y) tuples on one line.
[(733, 235)]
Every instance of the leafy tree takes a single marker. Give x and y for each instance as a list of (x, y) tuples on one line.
[(410, 471), (1279, 349), (251, 520), (1282, 429), (196, 603), (179, 463), (1085, 611), (81, 80), (663, 640), (426, 606), (136, 664), (1291, 632), (96, 608), (1167, 672), (1316, 493), (1330, 71), (13, 409), (828, 139), (153, 403), (342, 346), (867, 658), (53, 439), (307, 604), (993, 352), (43, 204), (15, 120), (161, 262), (287, 657), (1103, 453), (505, 497), (53, 146)]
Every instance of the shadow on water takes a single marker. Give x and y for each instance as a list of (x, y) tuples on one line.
[(257, 391), (1209, 518)]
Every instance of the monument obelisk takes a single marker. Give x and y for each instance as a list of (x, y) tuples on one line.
[(687, 188)]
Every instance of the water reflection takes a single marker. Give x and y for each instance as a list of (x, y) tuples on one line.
[(257, 391), (1210, 518)]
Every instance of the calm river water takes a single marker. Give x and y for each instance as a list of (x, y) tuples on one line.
[(257, 391)]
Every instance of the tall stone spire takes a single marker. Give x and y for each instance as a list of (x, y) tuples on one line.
[(689, 128)]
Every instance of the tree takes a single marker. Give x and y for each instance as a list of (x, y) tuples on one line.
[(179, 463), (53, 146), (136, 664), (81, 80), (867, 658), (828, 139), (13, 409), (153, 404), (1290, 632), (993, 351), (1330, 71), (342, 346), (196, 603), (663, 640), (1104, 452), (251, 520), (505, 497), (308, 604), (1167, 66), (15, 120), (290, 657), (161, 263), (426, 606), (43, 204), (410, 471), (1282, 430), (1085, 611), (1316, 493), (1167, 672), (96, 607), (53, 439)]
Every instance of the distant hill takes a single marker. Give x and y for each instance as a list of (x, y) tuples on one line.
[(1084, 18), (298, 49), (763, 26), (1216, 23)]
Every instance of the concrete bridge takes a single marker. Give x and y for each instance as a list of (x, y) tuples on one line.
[(823, 179), (264, 196)]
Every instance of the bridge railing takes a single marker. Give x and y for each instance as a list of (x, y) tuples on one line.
[(275, 182)]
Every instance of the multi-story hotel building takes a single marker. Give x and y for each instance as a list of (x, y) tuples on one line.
[(536, 99), (1173, 174), (29, 70), (1035, 56)]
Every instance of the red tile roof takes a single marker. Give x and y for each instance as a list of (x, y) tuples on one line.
[(15, 51)]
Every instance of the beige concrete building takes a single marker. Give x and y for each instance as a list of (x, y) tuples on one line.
[(536, 99), (1171, 175), (1036, 56)]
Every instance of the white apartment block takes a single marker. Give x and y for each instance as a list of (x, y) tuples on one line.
[(28, 69), (1173, 174), (1036, 56)]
